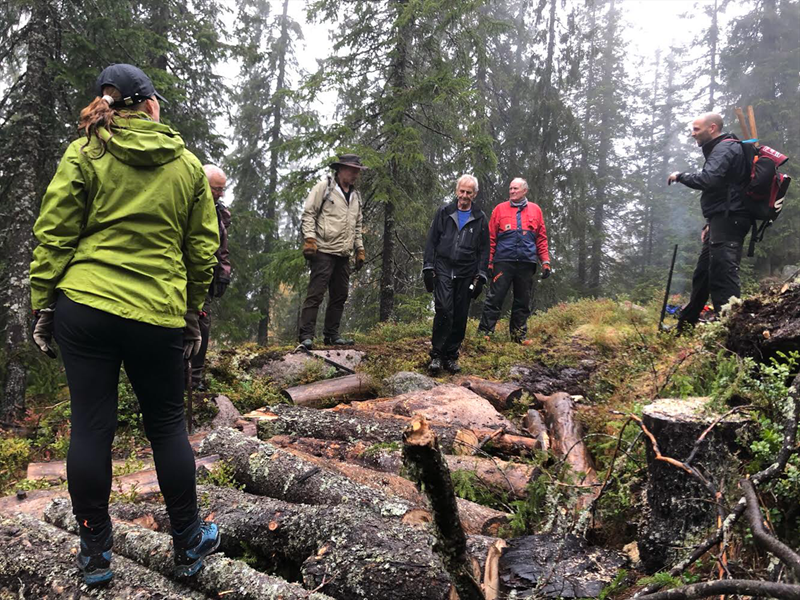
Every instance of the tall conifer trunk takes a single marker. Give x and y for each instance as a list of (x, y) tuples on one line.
[(397, 81), (272, 185), (604, 150), (32, 163)]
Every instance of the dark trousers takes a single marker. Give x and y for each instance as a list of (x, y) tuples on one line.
[(518, 275), (94, 344), (451, 299), (199, 360), (717, 270), (329, 273)]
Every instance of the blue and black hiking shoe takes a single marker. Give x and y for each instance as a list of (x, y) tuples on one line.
[(189, 559), (94, 558)]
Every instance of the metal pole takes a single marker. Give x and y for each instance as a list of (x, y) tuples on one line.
[(666, 293)]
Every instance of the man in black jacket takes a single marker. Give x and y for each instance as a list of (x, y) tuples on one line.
[(724, 207), (454, 269)]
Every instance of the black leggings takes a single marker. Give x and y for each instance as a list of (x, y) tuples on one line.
[(94, 345)]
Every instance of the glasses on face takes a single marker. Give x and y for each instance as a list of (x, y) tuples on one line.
[(218, 190)]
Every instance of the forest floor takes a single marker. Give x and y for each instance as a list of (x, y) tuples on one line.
[(607, 355)]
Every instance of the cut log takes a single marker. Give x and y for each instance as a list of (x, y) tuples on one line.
[(566, 437), (451, 404), (475, 518), (500, 476), (37, 560), (555, 566), (533, 424), (347, 553), (423, 458), (501, 395), (345, 423), (220, 577), (143, 483), (330, 392), (269, 471)]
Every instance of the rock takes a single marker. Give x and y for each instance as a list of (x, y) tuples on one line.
[(539, 379), (679, 508), (227, 415), (407, 381), (288, 368), (346, 358)]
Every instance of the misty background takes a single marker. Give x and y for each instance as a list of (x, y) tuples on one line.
[(589, 100)]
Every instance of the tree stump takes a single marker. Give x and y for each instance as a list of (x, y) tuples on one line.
[(679, 507)]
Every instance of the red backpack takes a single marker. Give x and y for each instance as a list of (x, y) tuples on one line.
[(765, 187)]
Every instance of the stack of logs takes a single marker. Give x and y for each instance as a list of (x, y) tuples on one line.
[(324, 504)]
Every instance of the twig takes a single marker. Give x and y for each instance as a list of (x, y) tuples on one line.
[(748, 587), (696, 447), (610, 466)]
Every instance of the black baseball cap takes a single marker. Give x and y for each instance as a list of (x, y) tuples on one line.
[(131, 82)]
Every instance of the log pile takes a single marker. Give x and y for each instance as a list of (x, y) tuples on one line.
[(328, 508)]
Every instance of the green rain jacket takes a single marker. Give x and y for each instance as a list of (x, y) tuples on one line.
[(133, 232)]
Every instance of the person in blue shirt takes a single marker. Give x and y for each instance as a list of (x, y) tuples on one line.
[(455, 270)]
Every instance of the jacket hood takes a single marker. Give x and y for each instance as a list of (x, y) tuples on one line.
[(140, 142)]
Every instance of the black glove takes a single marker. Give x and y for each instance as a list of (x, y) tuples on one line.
[(545, 270), (191, 335), (42, 330), (477, 286), (428, 275), (220, 285)]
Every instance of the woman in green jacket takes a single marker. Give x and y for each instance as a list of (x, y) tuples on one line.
[(127, 234)]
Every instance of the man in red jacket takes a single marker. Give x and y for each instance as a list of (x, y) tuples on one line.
[(517, 243)]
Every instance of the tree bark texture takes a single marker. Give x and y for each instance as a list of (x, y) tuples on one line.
[(220, 577), (346, 424), (448, 403), (31, 160), (424, 460), (499, 475), (329, 392), (269, 471), (475, 518), (501, 395), (679, 507), (346, 552), (37, 560), (533, 424)]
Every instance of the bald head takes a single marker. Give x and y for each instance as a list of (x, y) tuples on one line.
[(707, 127), (216, 180)]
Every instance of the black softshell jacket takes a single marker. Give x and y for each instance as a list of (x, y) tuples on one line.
[(724, 168), (454, 253)]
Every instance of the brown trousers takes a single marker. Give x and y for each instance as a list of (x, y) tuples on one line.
[(330, 273)]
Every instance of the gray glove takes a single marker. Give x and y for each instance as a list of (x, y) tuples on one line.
[(42, 330), (191, 335)]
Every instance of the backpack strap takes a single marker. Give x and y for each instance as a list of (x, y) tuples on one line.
[(326, 196), (751, 249)]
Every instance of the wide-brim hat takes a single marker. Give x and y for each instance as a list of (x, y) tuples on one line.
[(131, 82), (348, 160)]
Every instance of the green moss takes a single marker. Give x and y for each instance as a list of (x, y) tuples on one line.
[(14, 453)]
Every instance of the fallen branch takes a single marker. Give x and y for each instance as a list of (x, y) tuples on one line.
[(762, 537), (744, 587)]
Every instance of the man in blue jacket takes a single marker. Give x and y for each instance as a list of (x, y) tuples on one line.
[(454, 269), (724, 207)]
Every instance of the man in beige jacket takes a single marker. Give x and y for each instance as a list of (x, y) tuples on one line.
[(332, 233)]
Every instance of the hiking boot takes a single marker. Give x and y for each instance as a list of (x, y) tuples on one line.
[(435, 366), (189, 559), (94, 558), (308, 344), (339, 341), (452, 366)]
